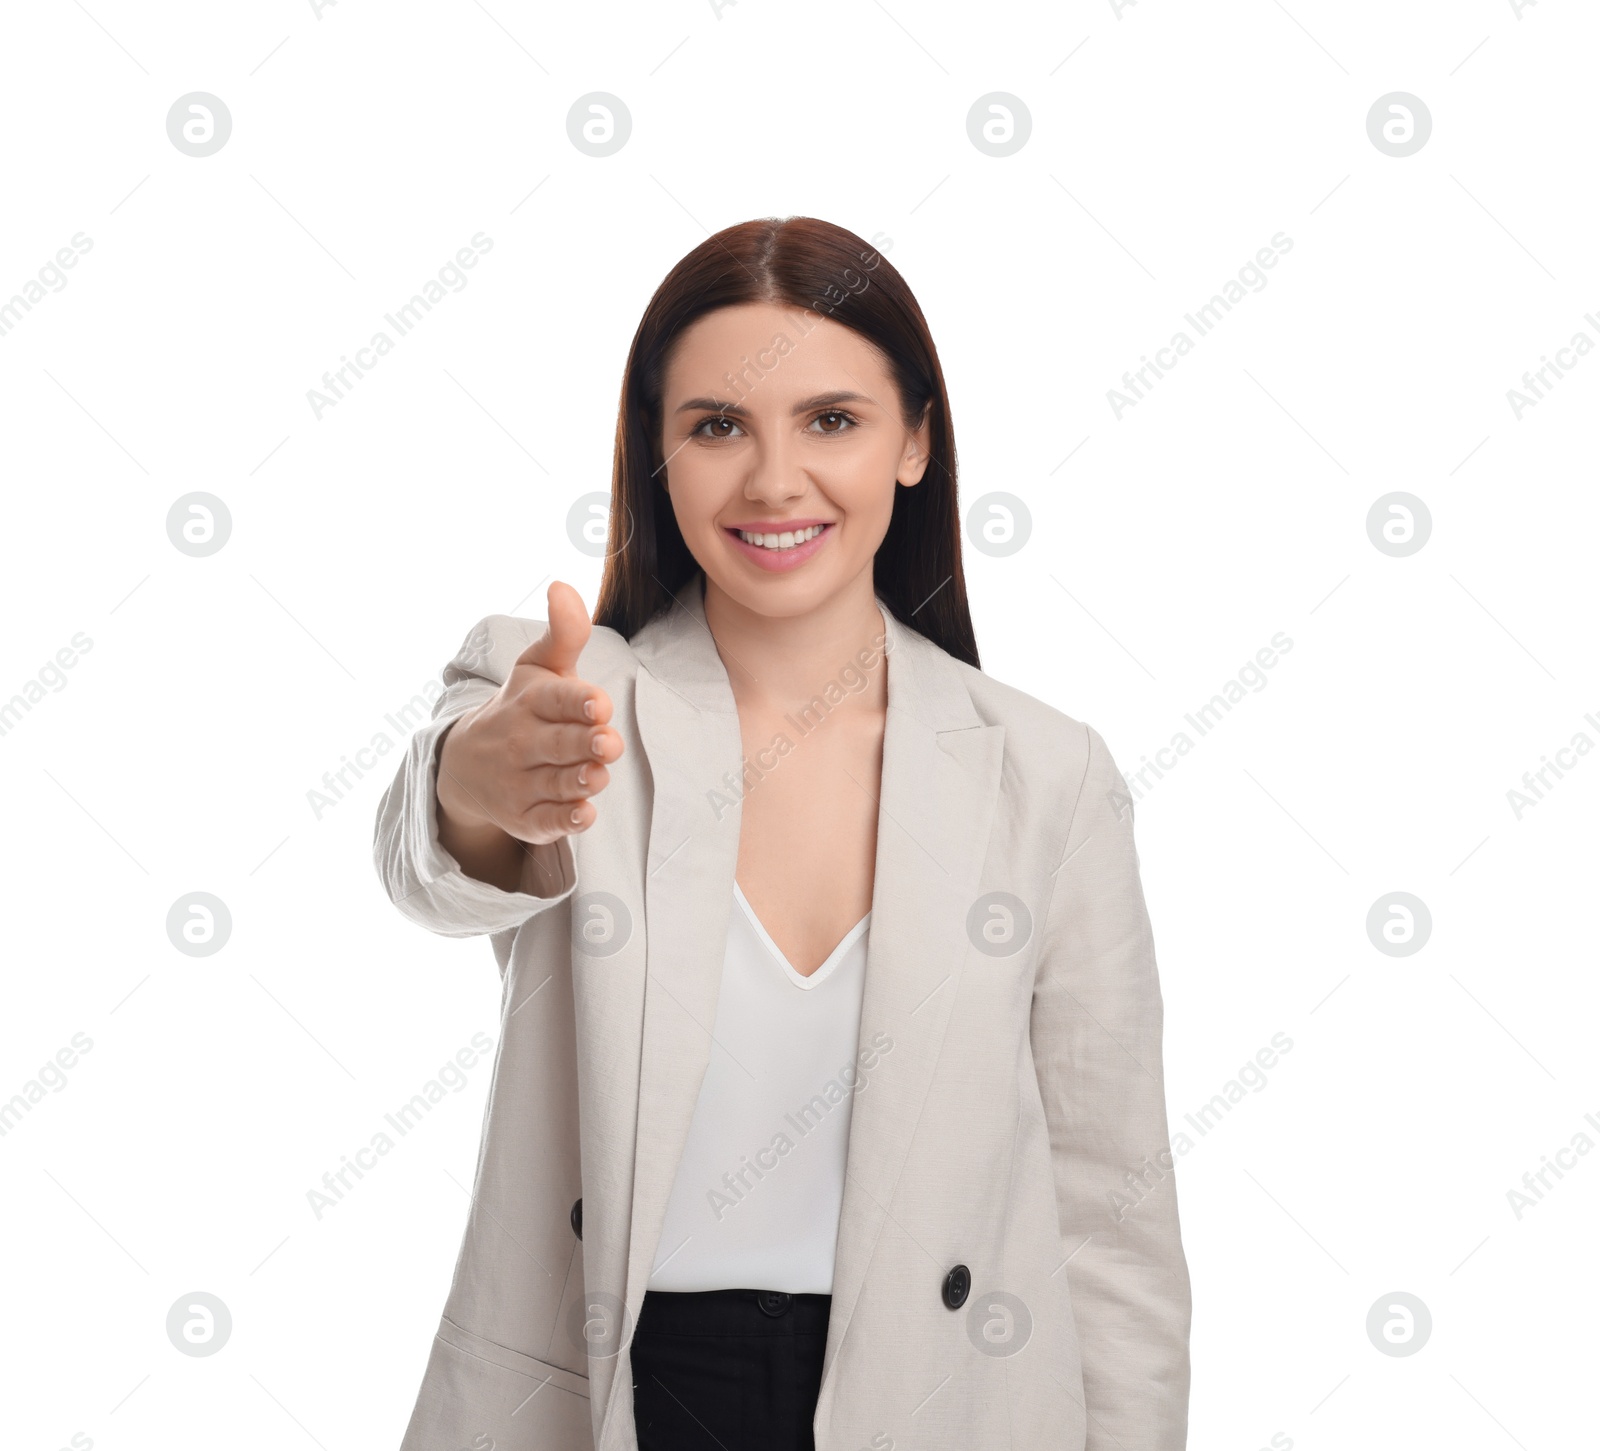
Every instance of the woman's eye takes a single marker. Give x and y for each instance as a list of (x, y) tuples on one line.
[(833, 421)]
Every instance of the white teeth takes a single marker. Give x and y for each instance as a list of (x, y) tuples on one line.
[(787, 540)]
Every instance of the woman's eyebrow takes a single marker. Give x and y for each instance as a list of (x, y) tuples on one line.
[(805, 405)]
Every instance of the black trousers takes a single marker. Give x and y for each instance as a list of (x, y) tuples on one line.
[(727, 1370)]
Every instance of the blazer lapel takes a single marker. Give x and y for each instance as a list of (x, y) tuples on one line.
[(689, 727), (941, 773), (936, 809)]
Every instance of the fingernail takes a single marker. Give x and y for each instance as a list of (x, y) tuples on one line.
[(583, 775), (588, 710), (598, 743), (576, 817)]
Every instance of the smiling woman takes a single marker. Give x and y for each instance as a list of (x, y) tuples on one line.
[(737, 466), (935, 864), (845, 376)]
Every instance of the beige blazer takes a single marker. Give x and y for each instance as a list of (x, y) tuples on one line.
[(1009, 1271)]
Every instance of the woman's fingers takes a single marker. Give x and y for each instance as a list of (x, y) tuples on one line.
[(550, 820), (560, 698), (569, 784), (566, 722), (564, 745), (549, 795)]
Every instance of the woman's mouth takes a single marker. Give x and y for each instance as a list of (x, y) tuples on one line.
[(779, 549)]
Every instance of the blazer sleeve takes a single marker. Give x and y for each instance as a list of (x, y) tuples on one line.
[(422, 879), (1096, 1038)]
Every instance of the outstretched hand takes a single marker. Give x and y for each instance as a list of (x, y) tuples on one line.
[(530, 760)]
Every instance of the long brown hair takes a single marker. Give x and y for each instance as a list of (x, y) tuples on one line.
[(815, 265)]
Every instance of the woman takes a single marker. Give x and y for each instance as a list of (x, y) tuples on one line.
[(828, 1104)]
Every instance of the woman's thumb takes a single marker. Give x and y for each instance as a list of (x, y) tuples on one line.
[(566, 632)]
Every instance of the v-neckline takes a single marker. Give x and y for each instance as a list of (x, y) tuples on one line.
[(828, 964)]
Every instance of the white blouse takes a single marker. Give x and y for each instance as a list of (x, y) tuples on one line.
[(756, 1200)]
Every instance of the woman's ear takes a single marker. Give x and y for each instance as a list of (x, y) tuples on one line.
[(914, 461)]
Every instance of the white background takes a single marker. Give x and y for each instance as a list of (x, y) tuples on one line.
[(1169, 143)]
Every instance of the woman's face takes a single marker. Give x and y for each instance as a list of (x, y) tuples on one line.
[(778, 422)]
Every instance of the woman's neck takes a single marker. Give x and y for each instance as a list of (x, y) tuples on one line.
[(782, 662)]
